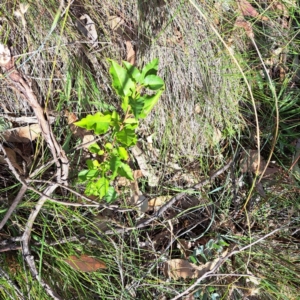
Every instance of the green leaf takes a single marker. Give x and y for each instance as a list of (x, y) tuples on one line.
[(98, 122), (127, 136), (123, 154), (114, 164), (92, 164), (125, 171), (133, 72), (111, 195), (92, 174), (91, 189), (108, 146), (82, 175), (131, 121), (122, 83), (94, 148), (153, 82), (150, 69), (115, 120), (137, 106), (102, 186), (149, 102), (124, 104)]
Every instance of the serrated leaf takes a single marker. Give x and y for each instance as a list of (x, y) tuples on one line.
[(111, 195), (149, 102), (137, 106), (150, 69), (125, 171), (153, 82), (114, 164), (123, 154), (127, 136), (98, 122), (122, 82), (133, 72), (102, 186)]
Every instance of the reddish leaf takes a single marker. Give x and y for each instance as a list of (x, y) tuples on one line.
[(85, 263), (241, 22), (247, 9)]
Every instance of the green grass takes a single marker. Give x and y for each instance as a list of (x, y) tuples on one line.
[(197, 70)]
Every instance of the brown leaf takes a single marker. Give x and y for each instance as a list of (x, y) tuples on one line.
[(115, 22), (88, 29), (158, 201), (180, 268), (85, 263), (5, 55), (130, 52), (249, 162), (241, 22), (248, 10), (22, 134), (71, 117), (11, 155), (137, 197)]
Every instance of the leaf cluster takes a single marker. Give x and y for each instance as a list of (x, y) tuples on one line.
[(130, 84)]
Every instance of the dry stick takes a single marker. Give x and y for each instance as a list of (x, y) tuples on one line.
[(14, 204), (26, 250), (221, 261), (172, 201), (21, 193), (19, 83)]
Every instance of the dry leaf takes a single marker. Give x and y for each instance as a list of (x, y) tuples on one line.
[(85, 263), (137, 197), (87, 27), (130, 52), (145, 168), (71, 117), (241, 22), (5, 55), (249, 162), (19, 13), (11, 155), (22, 134), (180, 268), (158, 201), (115, 22), (247, 9)]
